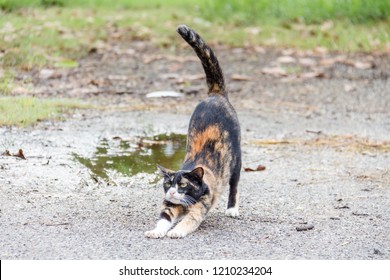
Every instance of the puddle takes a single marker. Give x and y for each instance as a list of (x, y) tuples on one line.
[(130, 157)]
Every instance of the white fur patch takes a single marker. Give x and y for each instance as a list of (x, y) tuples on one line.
[(232, 212), (176, 233), (161, 229)]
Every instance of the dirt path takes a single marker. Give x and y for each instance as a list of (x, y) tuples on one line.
[(318, 122)]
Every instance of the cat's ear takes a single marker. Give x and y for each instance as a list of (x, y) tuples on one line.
[(196, 174), (165, 171)]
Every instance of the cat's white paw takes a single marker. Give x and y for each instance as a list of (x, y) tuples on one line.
[(176, 233), (156, 233), (232, 212)]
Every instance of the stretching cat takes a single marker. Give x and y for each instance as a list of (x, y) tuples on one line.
[(213, 158)]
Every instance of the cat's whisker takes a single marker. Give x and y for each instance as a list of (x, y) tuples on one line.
[(188, 201)]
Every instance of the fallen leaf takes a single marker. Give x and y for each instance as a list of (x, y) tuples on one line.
[(274, 71), (326, 25), (363, 65), (253, 30), (46, 74), (314, 74), (6, 153), (258, 168), (20, 154), (307, 61), (288, 52), (100, 82), (349, 87), (238, 77), (286, 59), (259, 49), (194, 77), (151, 58), (170, 76), (321, 50), (118, 77)]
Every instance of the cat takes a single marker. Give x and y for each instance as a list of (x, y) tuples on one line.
[(213, 155)]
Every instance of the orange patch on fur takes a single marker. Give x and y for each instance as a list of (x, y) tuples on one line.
[(215, 88), (199, 139)]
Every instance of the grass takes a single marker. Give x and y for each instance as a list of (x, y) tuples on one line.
[(24, 111), (50, 31)]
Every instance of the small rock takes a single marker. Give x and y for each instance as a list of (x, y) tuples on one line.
[(378, 252), (46, 73), (157, 94), (305, 227)]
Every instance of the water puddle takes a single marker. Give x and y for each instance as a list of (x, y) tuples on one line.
[(130, 157)]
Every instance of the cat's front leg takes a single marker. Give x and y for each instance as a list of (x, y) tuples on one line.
[(190, 222), (168, 216), (160, 230)]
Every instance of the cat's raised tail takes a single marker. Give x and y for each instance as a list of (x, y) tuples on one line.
[(213, 71)]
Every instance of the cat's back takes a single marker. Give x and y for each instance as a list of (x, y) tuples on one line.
[(215, 111), (213, 136)]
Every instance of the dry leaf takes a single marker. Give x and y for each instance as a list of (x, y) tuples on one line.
[(349, 87), (100, 82), (332, 60), (118, 77), (326, 25), (288, 52), (310, 75), (151, 58), (20, 154), (238, 77), (258, 168), (307, 61), (275, 71), (286, 59), (321, 50), (363, 65), (253, 30), (259, 49), (6, 153), (194, 77), (45, 74)]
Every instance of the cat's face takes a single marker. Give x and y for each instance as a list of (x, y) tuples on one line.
[(183, 187)]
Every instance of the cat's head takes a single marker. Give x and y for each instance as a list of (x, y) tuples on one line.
[(183, 187)]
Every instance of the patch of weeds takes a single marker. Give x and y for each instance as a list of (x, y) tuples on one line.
[(46, 34), (6, 83), (25, 111), (52, 3)]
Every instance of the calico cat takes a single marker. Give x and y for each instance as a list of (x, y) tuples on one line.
[(213, 155)]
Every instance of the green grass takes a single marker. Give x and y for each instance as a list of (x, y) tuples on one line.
[(35, 33), (25, 111), (245, 11)]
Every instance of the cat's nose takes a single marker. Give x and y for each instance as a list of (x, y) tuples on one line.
[(172, 192)]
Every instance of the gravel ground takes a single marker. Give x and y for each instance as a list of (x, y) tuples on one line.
[(321, 129)]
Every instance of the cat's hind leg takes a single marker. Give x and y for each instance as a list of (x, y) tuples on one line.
[(232, 207)]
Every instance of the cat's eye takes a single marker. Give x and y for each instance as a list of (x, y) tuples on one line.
[(168, 183), (182, 185)]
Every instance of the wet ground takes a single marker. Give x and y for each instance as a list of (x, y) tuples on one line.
[(318, 122)]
